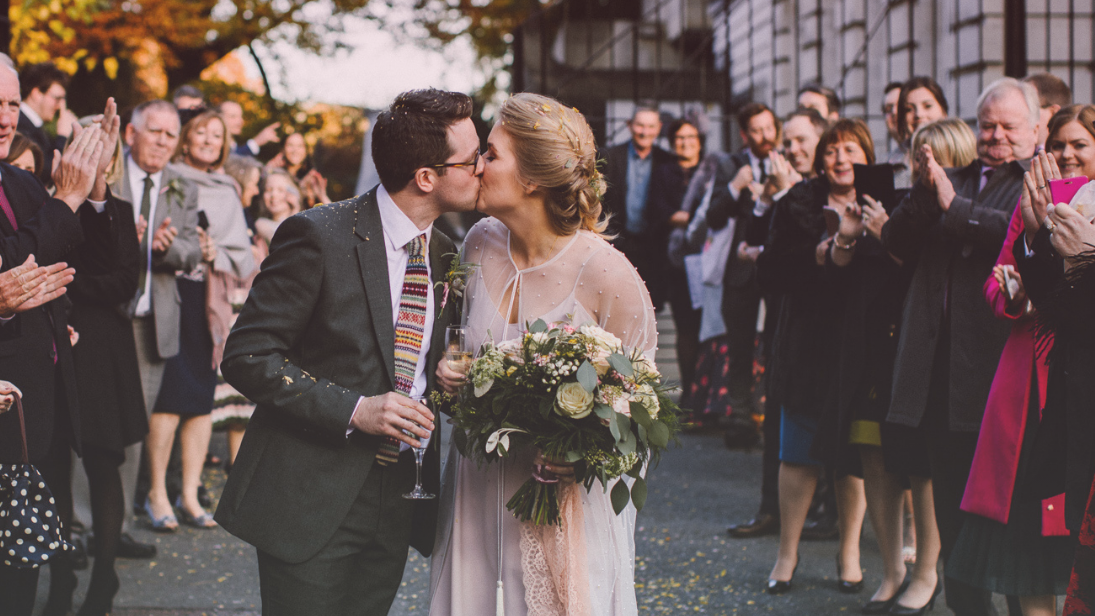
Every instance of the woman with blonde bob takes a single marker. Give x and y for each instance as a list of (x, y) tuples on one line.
[(541, 256), (952, 140)]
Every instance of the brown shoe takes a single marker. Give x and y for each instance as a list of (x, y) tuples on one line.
[(763, 524)]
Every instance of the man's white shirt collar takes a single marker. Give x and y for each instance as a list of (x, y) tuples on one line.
[(399, 230), (31, 114)]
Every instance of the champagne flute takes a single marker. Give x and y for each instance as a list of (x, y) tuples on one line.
[(457, 353), (418, 493)]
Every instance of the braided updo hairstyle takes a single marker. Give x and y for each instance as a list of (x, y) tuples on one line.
[(555, 150)]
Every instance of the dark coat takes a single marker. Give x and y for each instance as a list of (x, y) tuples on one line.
[(315, 335), (49, 230), (112, 412), (873, 286), (1063, 459), (806, 334), (646, 250), (955, 251)]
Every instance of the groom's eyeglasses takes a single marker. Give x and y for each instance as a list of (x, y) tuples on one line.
[(473, 163)]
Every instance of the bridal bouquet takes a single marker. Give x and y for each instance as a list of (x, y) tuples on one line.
[(578, 395)]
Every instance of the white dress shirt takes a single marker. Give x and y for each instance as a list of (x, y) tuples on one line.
[(136, 177), (31, 114), (399, 230)]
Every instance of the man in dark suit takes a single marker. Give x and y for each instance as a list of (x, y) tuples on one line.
[(642, 233), (318, 481), (44, 89), (166, 212), (953, 223), (35, 349)]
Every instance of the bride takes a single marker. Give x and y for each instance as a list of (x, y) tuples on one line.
[(540, 255)]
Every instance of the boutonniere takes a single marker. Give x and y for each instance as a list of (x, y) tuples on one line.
[(174, 185), (455, 280)]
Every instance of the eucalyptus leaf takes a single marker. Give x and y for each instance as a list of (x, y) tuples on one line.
[(638, 493), (659, 434), (636, 470), (627, 443), (620, 364), (573, 456), (603, 411), (587, 376), (620, 496), (614, 428), (625, 423), (537, 326), (640, 414), (480, 391), (644, 436)]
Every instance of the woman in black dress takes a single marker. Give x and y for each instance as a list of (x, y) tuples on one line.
[(792, 265)]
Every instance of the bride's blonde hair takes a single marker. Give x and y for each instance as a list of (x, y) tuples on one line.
[(555, 150)]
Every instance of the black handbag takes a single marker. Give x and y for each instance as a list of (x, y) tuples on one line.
[(30, 531)]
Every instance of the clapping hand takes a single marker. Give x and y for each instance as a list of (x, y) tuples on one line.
[(1037, 196), (1072, 234), (164, 236), (74, 172), (743, 178), (208, 246), (933, 176), (30, 286), (781, 176)]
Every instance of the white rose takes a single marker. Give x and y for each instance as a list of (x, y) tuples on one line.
[(539, 339), (600, 361), (572, 400), (646, 397), (622, 404), (602, 338)]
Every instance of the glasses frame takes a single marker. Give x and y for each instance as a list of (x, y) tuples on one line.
[(473, 163)]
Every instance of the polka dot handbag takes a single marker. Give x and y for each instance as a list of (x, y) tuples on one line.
[(30, 532)]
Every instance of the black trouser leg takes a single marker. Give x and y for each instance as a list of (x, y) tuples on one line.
[(740, 310)]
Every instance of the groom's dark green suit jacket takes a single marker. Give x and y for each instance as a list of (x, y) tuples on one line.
[(316, 334)]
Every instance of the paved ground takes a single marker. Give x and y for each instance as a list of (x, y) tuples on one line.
[(685, 561)]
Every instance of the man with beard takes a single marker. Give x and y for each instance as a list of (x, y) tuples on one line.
[(952, 225), (739, 182)]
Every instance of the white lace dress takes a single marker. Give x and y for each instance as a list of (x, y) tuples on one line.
[(587, 281)]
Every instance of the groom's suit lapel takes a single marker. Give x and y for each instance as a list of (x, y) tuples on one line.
[(373, 261)]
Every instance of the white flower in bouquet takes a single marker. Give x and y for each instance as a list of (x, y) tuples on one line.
[(538, 340), (646, 396), (603, 339), (600, 361), (510, 348), (645, 369), (572, 400)]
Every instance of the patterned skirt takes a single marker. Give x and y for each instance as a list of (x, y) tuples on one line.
[(709, 397)]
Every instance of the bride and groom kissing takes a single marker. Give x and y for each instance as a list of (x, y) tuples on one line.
[(342, 332)]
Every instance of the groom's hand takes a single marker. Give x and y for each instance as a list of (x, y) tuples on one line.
[(392, 413)]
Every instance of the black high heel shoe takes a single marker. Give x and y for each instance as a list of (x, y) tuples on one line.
[(901, 610), (844, 586), (883, 607), (778, 587)]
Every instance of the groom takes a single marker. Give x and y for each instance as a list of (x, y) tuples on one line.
[(341, 326)]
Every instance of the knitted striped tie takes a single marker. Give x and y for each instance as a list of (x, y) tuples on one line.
[(408, 332)]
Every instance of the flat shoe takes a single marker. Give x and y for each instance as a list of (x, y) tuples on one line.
[(164, 524)]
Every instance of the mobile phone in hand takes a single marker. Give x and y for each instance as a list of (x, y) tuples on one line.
[(203, 220), (1011, 285), (877, 182)]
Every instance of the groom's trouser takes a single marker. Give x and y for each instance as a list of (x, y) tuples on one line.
[(359, 570)]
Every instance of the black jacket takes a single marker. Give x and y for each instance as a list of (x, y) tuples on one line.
[(49, 230), (955, 252), (112, 412)]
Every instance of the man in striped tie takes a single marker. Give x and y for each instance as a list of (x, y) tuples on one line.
[(333, 345)]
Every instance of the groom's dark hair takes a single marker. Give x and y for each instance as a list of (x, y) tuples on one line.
[(413, 133)]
